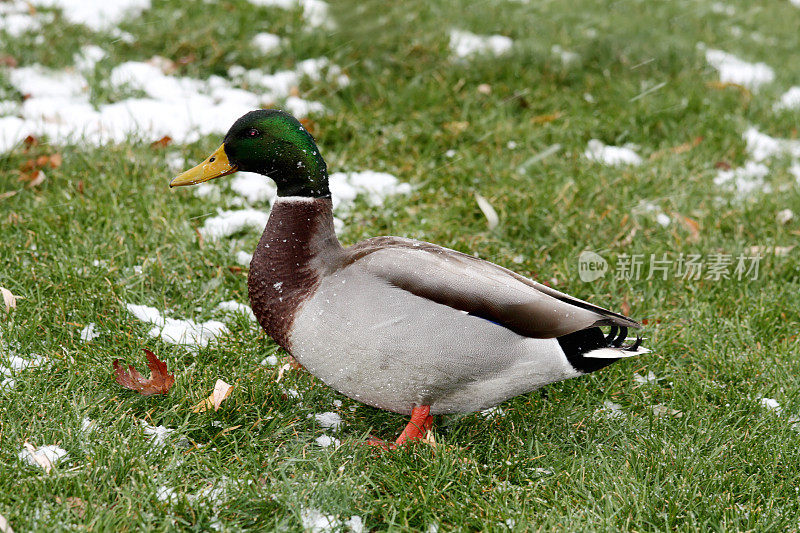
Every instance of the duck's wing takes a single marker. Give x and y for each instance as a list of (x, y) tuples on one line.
[(478, 287)]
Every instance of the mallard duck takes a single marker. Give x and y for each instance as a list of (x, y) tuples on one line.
[(399, 324)]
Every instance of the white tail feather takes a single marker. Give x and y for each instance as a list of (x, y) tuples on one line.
[(615, 353)]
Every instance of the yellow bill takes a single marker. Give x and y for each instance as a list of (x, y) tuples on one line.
[(215, 166)]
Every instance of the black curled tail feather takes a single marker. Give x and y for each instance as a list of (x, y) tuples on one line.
[(579, 343)]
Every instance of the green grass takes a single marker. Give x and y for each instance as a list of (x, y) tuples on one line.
[(554, 460)]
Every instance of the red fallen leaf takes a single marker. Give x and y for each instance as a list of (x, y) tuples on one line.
[(162, 142), (724, 165), (160, 379), (30, 141), (8, 61), (33, 178)]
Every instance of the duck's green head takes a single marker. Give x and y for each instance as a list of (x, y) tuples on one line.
[(270, 142)]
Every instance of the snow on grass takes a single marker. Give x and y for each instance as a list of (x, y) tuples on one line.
[(88, 57), (88, 333), (254, 188), (228, 223), (734, 70), (232, 306), (611, 155), (642, 380), (244, 258), (96, 14), (179, 107), (266, 42), (270, 360), (375, 186), (770, 404), (790, 99), (465, 44), (159, 435), (567, 58), (51, 453), (761, 146), (315, 12), (175, 331), (745, 180), (14, 364), (16, 18), (326, 441), (329, 420), (316, 521)]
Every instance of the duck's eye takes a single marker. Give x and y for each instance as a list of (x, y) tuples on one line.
[(252, 132)]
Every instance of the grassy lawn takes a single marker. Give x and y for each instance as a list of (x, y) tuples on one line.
[(696, 447)]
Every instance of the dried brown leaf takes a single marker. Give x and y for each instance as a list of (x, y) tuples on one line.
[(160, 381), (692, 225), (5, 527), (30, 141), (39, 458), (544, 119), (221, 391), (9, 299), (33, 178), (162, 142)]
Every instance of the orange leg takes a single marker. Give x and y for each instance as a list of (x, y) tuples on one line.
[(421, 422)]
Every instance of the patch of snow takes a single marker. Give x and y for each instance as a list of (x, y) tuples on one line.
[(464, 44), (52, 452), (329, 420), (761, 146), (315, 521), (207, 190), (254, 187), (88, 57), (376, 186), (266, 42), (160, 434), (663, 219), (734, 70), (784, 216), (723, 9), (233, 306), (87, 425), (649, 378), (166, 494), (228, 223), (770, 404), (567, 57), (612, 410), (96, 14), (88, 333), (611, 155), (16, 19), (244, 258), (746, 179), (145, 313), (315, 12), (355, 524), (271, 360), (794, 170), (790, 99), (182, 108), (176, 331), (325, 441)]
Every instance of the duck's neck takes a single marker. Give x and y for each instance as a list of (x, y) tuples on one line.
[(298, 247)]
